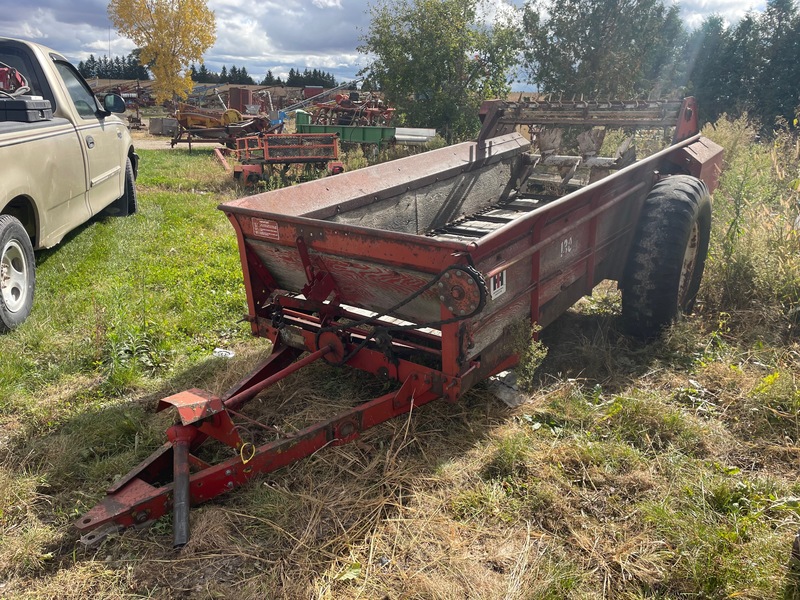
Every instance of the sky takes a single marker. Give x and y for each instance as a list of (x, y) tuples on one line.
[(260, 35)]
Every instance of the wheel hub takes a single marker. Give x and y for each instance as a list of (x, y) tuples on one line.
[(13, 276)]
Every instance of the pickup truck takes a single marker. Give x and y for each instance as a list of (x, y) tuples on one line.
[(64, 157)]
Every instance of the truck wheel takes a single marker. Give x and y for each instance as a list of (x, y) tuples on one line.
[(666, 261), (17, 273), (126, 204)]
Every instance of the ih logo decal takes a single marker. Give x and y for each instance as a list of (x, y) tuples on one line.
[(498, 285)]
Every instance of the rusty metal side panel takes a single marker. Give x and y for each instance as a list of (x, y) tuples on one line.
[(370, 269), (359, 282), (325, 198), (525, 293), (404, 250), (551, 258)]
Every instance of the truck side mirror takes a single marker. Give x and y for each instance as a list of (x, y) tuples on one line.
[(114, 103)]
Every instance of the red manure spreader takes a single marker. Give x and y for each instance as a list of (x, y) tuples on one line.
[(418, 270)]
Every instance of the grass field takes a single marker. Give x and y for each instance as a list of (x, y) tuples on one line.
[(667, 470)]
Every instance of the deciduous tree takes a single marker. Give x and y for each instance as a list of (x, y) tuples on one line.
[(436, 60), (616, 48), (171, 33)]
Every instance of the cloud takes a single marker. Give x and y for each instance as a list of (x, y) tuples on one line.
[(694, 12), (263, 35)]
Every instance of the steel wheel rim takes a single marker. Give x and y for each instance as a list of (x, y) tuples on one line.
[(689, 264), (13, 276)]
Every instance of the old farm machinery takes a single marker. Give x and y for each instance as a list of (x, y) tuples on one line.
[(351, 109), (417, 270), (353, 119), (261, 156), (197, 124)]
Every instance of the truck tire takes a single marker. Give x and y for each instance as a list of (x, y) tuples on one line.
[(666, 261), (17, 273), (127, 203)]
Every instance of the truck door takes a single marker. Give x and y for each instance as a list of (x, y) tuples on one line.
[(101, 137), (43, 161)]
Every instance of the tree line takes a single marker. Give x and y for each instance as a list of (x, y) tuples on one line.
[(310, 77), (234, 75), (119, 67), (240, 76), (436, 60), (752, 66), (130, 67)]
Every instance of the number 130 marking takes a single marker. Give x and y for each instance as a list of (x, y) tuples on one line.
[(566, 246)]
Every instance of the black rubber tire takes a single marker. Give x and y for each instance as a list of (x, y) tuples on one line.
[(17, 273), (666, 261), (126, 204)]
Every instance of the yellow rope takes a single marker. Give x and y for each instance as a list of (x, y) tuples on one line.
[(252, 452)]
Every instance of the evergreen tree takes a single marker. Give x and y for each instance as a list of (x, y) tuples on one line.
[(203, 74), (778, 86), (741, 59), (244, 77), (269, 79), (139, 70), (708, 74), (120, 67)]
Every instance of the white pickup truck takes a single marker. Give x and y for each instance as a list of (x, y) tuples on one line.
[(64, 157)]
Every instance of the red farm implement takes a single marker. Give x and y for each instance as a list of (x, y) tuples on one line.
[(418, 270), (350, 109), (260, 155)]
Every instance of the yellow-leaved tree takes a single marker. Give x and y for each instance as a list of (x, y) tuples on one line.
[(171, 33)]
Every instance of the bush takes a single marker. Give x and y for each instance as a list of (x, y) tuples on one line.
[(754, 259)]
